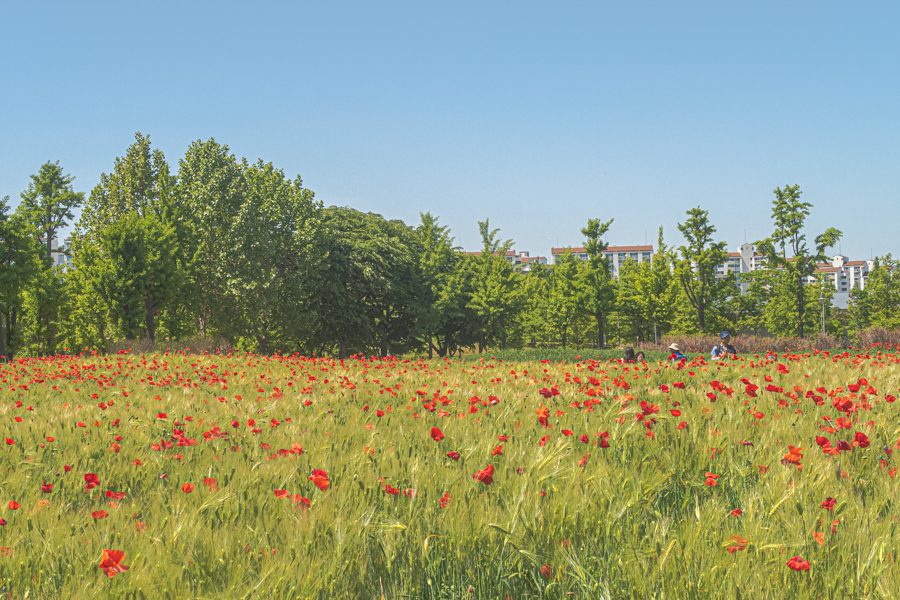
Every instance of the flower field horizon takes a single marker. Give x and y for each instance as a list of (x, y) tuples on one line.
[(178, 475)]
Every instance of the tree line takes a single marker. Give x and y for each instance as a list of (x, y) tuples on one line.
[(240, 252)]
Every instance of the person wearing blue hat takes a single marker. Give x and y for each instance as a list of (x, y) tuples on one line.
[(724, 347)]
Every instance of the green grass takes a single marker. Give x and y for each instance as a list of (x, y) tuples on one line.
[(635, 521)]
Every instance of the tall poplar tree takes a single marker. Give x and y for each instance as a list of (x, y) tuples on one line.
[(699, 259)]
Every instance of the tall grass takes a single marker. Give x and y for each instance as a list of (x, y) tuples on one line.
[(637, 520)]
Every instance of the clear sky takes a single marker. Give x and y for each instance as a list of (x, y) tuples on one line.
[(535, 115)]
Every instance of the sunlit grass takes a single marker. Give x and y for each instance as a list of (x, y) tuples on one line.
[(637, 520)]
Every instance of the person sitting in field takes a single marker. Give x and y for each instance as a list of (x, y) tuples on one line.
[(639, 357), (629, 354), (676, 353), (724, 347)]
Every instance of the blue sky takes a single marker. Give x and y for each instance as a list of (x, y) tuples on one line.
[(535, 115)]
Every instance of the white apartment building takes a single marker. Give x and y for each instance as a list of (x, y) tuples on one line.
[(844, 274), (58, 254), (617, 255)]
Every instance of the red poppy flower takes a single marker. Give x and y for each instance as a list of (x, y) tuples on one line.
[(738, 544), (281, 494), (498, 451), (819, 536), (798, 564), (162, 416), (503, 438), (436, 434), (10, 442), (445, 500), (391, 491), (211, 483), (46, 487), (320, 479), (664, 388), (99, 514), (679, 385), (567, 432), (681, 425), (299, 501), (13, 505), (453, 455), (485, 475), (828, 504), (546, 572), (675, 412), (110, 562), (736, 512), (711, 396), (584, 439), (860, 439)]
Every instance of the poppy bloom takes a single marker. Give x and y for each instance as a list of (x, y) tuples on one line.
[(445, 500), (819, 537), (738, 544), (675, 412), (391, 491), (567, 432), (453, 455), (860, 439), (544, 439), (503, 438), (13, 505), (162, 416), (711, 479), (10, 442), (211, 483), (281, 494), (736, 512), (485, 475), (320, 479), (583, 438), (91, 481), (798, 564), (99, 514), (111, 562), (436, 434), (299, 501), (187, 488), (828, 504), (681, 425), (140, 527), (679, 385), (498, 451), (46, 487), (546, 572), (793, 456)]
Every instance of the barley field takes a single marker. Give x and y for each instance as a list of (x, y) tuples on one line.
[(176, 475)]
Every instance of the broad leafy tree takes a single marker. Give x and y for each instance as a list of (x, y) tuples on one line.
[(20, 262), (787, 250), (496, 298), (600, 289), (700, 257)]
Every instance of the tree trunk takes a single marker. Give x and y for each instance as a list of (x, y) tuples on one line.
[(342, 349), (3, 356), (503, 332), (599, 317), (800, 306), (430, 348), (150, 318), (701, 317), (481, 343)]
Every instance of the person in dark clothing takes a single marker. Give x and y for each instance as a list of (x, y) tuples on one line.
[(724, 347), (629, 354)]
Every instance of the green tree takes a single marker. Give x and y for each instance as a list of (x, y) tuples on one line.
[(565, 295), (268, 241), (789, 214), (446, 320), (878, 304), (700, 258), (49, 202), (647, 294), (496, 298), (19, 264), (600, 289), (366, 288), (208, 198), (140, 183)]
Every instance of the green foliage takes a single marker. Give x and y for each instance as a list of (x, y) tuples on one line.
[(599, 296), (496, 296), (700, 258), (789, 215), (878, 305), (20, 263)]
